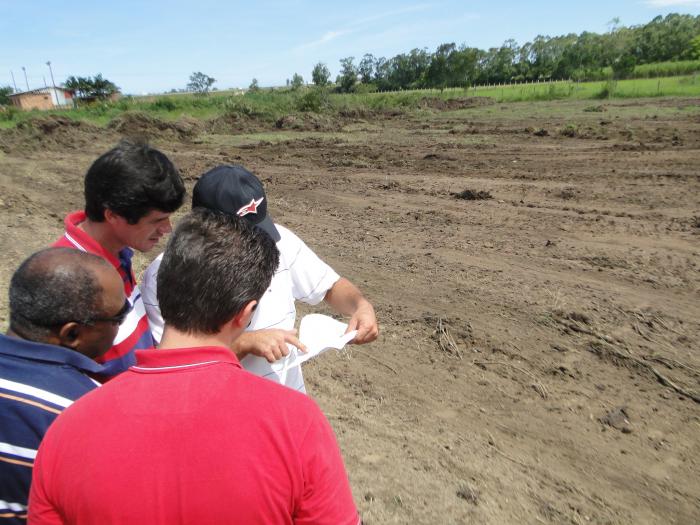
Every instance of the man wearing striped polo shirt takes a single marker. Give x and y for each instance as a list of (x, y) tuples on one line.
[(65, 308), (130, 192)]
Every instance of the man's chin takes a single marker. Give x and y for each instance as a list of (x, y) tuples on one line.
[(146, 246)]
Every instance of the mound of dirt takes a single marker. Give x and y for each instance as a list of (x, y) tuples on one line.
[(235, 123), (48, 132), (141, 124), (308, 122), (454, 103), (55, 123)]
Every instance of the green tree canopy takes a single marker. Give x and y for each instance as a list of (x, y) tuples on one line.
[(5, 93), (297, 81), (88, 88), (320, 74), (366, 68), (584, 56), (348, 74), (200, 83)]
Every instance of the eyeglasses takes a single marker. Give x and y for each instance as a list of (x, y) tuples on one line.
[(118, 318)]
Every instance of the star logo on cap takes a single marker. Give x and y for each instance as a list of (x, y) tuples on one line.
[(251, 207)]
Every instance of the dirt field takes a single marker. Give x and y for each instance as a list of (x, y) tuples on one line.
[(539, 353)]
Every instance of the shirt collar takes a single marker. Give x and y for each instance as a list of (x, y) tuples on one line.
[(82, 241), (34, 351), (162, 360)]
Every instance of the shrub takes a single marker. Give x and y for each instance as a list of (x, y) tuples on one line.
[(608, 90), (365, 88), (315, 100), (165, 104), (472, 195), (98, 109), (570, 130), (239, 106), (9, 113)]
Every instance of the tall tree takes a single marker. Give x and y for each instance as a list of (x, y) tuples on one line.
[(348, 74), (366, 68), (102, 88), (320, 74), (297, 81), (694, 46), (87, 88), (200, 83), (438, 72)]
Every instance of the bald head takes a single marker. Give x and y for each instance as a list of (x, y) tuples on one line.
[(56, 286)]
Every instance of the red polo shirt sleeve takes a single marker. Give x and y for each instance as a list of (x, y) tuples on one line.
[(327, 498)]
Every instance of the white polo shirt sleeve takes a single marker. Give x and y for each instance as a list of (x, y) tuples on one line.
[(149, 294), (311, 277)]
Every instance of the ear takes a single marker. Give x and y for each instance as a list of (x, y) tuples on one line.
[(69, 335), (243, 317), (111, 217)]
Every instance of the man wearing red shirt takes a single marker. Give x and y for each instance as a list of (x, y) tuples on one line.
[(187, 435), (130, 192)]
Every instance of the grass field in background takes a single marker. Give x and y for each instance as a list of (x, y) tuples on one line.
[(269, 105)]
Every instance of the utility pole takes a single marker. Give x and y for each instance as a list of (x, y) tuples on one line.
[(25, 77), (53, 83), (13, 80)]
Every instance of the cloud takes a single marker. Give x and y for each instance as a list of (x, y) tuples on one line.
[(673, 3), (327, 37), (360, 25)]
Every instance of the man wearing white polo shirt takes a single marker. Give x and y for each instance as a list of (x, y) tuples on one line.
[(300, 276)]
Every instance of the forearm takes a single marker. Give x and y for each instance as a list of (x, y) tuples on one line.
[(345, 298)]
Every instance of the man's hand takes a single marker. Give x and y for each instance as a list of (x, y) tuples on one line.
[(345, 298), (365, 322), (270, 344)]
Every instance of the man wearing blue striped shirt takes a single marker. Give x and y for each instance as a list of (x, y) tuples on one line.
[(65, 310)]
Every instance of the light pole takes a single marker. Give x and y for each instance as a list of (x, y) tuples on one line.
[(53, 83), (13, 80), (25, 77)]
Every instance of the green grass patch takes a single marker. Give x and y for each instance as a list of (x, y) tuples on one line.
[(667, 69), (683, 86)]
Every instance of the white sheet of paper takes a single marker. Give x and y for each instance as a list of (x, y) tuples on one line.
[(319, 333)]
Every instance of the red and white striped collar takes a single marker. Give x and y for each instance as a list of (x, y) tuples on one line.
[(82, 241), (155, 360)]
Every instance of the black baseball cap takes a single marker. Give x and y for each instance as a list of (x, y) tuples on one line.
[(233, 189)]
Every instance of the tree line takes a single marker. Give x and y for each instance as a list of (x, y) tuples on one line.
[(580, 57)]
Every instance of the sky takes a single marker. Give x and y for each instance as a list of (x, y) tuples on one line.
[(154, 46)]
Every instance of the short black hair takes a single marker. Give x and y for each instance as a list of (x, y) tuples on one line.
[(214, 264), (131, 180), (52, 287)]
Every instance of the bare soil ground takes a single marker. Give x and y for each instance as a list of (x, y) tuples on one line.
[(539, 358)]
